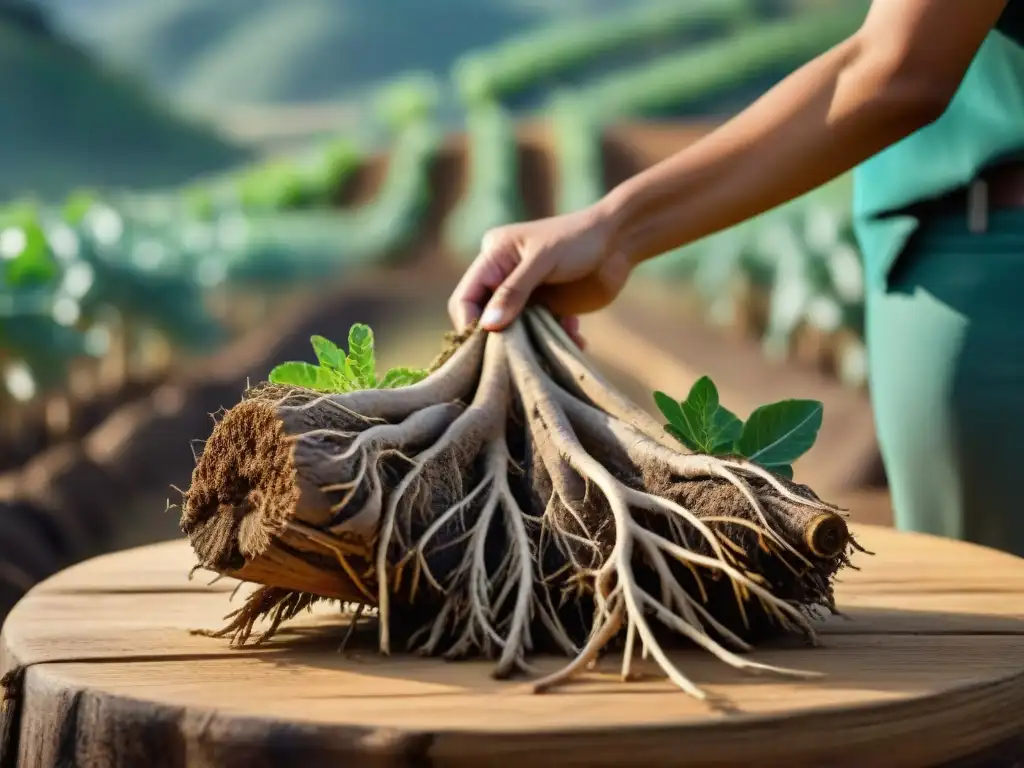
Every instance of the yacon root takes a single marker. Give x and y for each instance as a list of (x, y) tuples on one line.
[(512, 502)]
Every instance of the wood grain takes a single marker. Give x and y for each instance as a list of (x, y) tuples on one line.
[(928, 667)]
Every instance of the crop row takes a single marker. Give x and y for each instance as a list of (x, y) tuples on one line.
[(104, 291), (792, 276), (110, 274), (524, 61)]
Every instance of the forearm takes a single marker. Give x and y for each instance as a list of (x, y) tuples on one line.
[(821, 121)]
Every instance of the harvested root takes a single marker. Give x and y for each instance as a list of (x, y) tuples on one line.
[(510, 503)]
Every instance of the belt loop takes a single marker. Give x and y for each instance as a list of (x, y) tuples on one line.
[(977, 206)]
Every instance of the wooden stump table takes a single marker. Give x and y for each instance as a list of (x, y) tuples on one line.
[(926, 670)]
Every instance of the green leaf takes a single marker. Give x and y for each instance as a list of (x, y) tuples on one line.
[(328, 353), (402, 377), (699, 410), (35, 264), (671, 409), (776, 435), (309, 376), (726, 428), (699, 422), (703, 398), (78, 205), (677, 426), (361, 355)]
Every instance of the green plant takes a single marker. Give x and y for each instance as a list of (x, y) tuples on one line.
[(578, 135), (408, 99), (341, 372), (711, 68), (150, 260), (493, 196), (524, 60), (774, 436)]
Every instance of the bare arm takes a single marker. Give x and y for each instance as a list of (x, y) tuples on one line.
[(894, 76)]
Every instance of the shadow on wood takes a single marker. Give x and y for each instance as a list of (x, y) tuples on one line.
[(107, 673)]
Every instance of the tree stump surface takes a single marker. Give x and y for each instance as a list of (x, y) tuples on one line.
[(927, 669)]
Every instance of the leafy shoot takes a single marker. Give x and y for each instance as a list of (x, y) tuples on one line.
[(341, 371), (774, 436)]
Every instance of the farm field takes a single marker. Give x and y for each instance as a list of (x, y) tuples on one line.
[(128, 316), (120, 453), (257, 52), (228, 233)]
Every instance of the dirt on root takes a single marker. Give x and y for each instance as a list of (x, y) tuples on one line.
[(244, 491), (286, 456)]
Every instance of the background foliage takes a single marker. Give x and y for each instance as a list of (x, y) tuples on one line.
[(129, 217)]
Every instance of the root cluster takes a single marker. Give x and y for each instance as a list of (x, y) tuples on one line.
[(512, 503)]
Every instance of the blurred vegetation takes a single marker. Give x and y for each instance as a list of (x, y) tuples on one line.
[(256, 51), (66, 122), (214, 52), (130, 262), (140, 266)]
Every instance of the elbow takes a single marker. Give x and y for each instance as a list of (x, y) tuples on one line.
[(907, 93), (914, 100)]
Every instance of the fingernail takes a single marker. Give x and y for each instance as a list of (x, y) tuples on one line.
[(491, 316)]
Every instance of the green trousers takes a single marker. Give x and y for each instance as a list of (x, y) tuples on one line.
[(945, 339)]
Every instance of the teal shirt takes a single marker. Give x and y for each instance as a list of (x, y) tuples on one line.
[(983, 123)]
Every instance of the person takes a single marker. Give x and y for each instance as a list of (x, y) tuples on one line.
[(926, 102)]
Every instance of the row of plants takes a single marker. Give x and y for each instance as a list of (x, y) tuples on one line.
[(149, 262), (792, 276), (541, 57), (123, 274), (492, 196), (578, 137), (684, 81)]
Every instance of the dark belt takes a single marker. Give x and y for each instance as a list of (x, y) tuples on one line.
[(1000, 187)]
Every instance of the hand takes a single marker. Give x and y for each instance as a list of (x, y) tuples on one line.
[(567, 263)]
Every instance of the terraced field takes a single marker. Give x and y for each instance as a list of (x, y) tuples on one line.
[(127, 318), (67, 122)]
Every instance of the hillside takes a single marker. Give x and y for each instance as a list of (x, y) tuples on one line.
[(65, 122), (226, 52), (252, 51)]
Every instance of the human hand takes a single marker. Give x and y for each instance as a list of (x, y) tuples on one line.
[(567, 263)]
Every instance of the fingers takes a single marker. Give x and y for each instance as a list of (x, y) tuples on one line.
[(495, 263), (510, 297)]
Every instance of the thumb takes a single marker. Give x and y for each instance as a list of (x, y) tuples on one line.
[(510, 297)]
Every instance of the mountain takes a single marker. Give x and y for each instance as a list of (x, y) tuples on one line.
[(67, 122), (226, 52)]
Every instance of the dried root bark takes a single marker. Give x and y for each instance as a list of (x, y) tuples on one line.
[(511, 503)]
